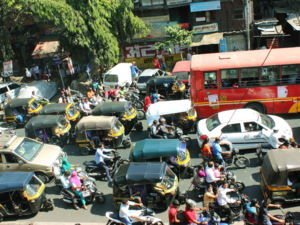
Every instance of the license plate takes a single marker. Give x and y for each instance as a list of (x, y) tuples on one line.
[(112, 87)]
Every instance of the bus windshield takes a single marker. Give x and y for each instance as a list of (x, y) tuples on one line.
[(212, 122), (266, 120)]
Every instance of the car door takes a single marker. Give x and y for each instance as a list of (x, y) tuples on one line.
[(14, 89), (253, 134), (12, 163), (233, 134), (3, 90)]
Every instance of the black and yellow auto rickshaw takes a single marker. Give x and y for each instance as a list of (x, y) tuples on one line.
[(155, 180), (68, 110), (19, 110), (49, 129), (22, 194), (91, 130), (171, 151), (171, 87), (280, 176), (123, 110)]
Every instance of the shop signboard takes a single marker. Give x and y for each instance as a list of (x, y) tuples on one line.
[(8, 68), (156, 19), (177, 2), (205, 6), (70, 66), (207, 28), (200, 19), (57, 61)]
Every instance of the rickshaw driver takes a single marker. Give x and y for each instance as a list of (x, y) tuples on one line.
[(163, 129), (154, 130), (91, 137)]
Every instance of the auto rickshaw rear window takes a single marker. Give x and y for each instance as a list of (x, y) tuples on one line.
[(34, 105), (71, 112)]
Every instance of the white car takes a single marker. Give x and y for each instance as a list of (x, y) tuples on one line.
[(41, 88), (245, 130), (11, 88), (145, 76)]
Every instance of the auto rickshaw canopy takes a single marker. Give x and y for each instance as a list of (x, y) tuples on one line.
[(54, 108), (96, 123), (13, 181), (44, 121), (166, 108), (110, 107), (162, 80), (277, 165), (154, 148), (16, 102), (140, 173)]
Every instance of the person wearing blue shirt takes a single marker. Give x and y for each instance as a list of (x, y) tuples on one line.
[(18, 116), (156, 97), (217, 150), (134, 70), (89, 136)]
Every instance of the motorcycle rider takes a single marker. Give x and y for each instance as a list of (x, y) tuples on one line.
[(65, 181), (124, 211), (154, 131), (99, 159), (217, 150), (163, 129), (223, 200), (264, 215), (173, 214), (190, 215), (210, 176), (273, 140)]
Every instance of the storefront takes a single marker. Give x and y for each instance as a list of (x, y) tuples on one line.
[(206, 43)]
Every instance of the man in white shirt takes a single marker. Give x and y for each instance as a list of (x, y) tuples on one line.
[(36, 70), (189, 55), (81, 108), (86, 106), (34, 95), (223, 200), (124, 211), (122, 99), (210, 176), (99, 159), (273, 140)]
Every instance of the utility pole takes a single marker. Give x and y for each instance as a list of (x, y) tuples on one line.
[(248, 24)]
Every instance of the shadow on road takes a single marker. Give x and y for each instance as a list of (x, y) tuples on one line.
[(255, 176), (101, 208)]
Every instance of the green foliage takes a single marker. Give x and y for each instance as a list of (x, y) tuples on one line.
[(177, 36)]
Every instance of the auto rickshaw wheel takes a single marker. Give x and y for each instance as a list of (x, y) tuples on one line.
[(43, 177), (101, 199), (139, 104), (278, 202), (84, 150)]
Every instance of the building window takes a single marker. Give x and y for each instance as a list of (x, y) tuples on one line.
[(238, 14)]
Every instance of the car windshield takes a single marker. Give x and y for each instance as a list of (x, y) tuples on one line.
[(182, 75), (212, 122), (28, 149), (111, 78), (168, 180), (71, 111), (33, 186), (143, 79), (267, 121), (34, 105)]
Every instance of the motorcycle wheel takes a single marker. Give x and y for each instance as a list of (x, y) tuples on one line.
[(159, 223), (242, 162), (101, 199), (188, 141), (139, 104), (140, 114), (239, 185)]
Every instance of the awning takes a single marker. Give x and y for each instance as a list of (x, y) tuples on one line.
[(294, 20), (48, 46), (206, 39), (266, 22)]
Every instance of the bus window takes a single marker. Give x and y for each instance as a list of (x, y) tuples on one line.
[(229, 78), (250, 77), (210, 80), (270, 75), (290, 73)]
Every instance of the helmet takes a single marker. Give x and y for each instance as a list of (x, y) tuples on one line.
[(162, 120), (190, 204)]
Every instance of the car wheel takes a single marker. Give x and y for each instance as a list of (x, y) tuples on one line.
[(84, 150), (101, 199), (43, 177)]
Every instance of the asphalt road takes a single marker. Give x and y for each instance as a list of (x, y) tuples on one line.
[(64, 212)]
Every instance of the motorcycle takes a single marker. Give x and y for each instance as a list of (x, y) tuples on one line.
[(240, 161), (94, 171), (89, 192), (288, 217), (179, 135), (146, 216), (134, 98)]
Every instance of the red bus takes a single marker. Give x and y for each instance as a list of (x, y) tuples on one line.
[(246, 79)]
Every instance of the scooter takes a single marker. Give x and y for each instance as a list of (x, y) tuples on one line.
[(94, 171), (146, 216), (89, 192)]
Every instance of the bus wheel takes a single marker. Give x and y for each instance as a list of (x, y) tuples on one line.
[(259, 107)]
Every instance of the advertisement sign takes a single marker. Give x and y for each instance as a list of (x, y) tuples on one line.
[(176, 2), (205, 6), (200, 19), (207, 28), (8, 68), (52, 30), (157, 30)]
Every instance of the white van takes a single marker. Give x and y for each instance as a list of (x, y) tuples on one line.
[(118, 75)]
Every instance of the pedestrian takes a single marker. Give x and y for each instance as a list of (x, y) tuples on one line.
[(36, 70), (28, 75), (156, 62), (90, 94), (47, 72), (147, 102), (266, 8), (116, 91), (87, 69), (189, 55), (94, 87), (74, 85), (161, 58), (134, 70), (32, 72)]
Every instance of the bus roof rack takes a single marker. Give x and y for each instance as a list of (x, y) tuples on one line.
[(7, 139)]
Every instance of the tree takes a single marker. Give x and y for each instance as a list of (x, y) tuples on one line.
[(177, 36)]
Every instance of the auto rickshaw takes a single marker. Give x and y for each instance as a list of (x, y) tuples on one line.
[(180, 112), (171, 87), (49, 129), (171, 151), (22, 194), (68, 110), (280, 176), (103, 129), (158, 183), (123, 110), (19, 110)]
